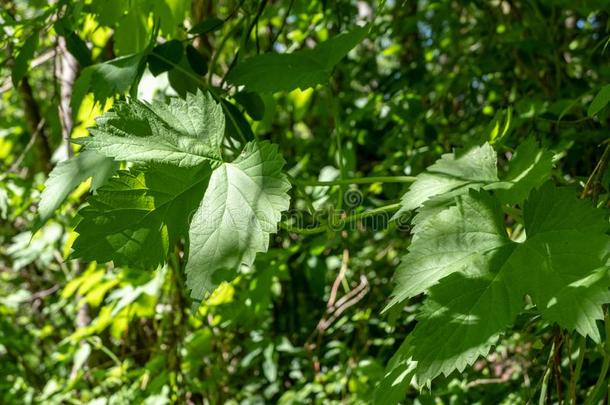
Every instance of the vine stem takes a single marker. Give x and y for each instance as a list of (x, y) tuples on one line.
[(360, 180), (546, 376), (596, 175), (347, 219), (576, 375), (601, 379)]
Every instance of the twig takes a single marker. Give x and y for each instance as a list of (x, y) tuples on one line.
[(601, 379), (485, 381), (43, 293), (350, 299), (557, 364), (593, 180), (576, 374), (66, 75), (338, 279), (33, 119), (282, 26), (8, 84), (545, 378), (31, 142)]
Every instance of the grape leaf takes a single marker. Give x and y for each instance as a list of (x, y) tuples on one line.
[(67, 175), (273, 72), (566, 241), (476, 277), (138, 216), (455, 173), (460, 171), (436, 252), (529, 168), (184, 133), (241, 207), (397, 376)]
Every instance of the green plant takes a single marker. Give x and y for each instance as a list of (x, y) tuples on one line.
[(304, 202)]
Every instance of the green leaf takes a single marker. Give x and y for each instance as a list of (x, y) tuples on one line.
[(453, 173), (567, 243), (237, 125), (183, 79), (397, 377), (67, 175), (240, 209), (435, 251), (25, 55), (253, 103), (139, 216), (461, 319), (183, 133), (600, 101), (131, 35), (106, 79), (108, 12), (273, 72), (476, 277), (78, 48), (197, 61), (529, 168), (170, 14), (169, 51), (209, 25)]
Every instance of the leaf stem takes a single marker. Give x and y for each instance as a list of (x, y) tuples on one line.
[(546, 376), (359, 180), (348, 219), (373, 212), (576, 375), (601, 379)]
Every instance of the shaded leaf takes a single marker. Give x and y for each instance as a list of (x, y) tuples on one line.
[(138, 216), (273, 72), (600, 101), (107, 79), (169, 51), (197, 61), (476, 277), (67, 175), (183, 79), (529, 168), (79, 49), (237, 125), (253, 103), (208, 25), (22, 61)]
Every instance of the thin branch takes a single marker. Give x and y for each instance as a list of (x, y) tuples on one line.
[(338, 279), (35, 123), (31, 142), (45, 57)]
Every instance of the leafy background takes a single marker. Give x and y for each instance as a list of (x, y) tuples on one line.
[(423, 78)]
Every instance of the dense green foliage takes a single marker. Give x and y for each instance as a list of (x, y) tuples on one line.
[(304, 202)]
